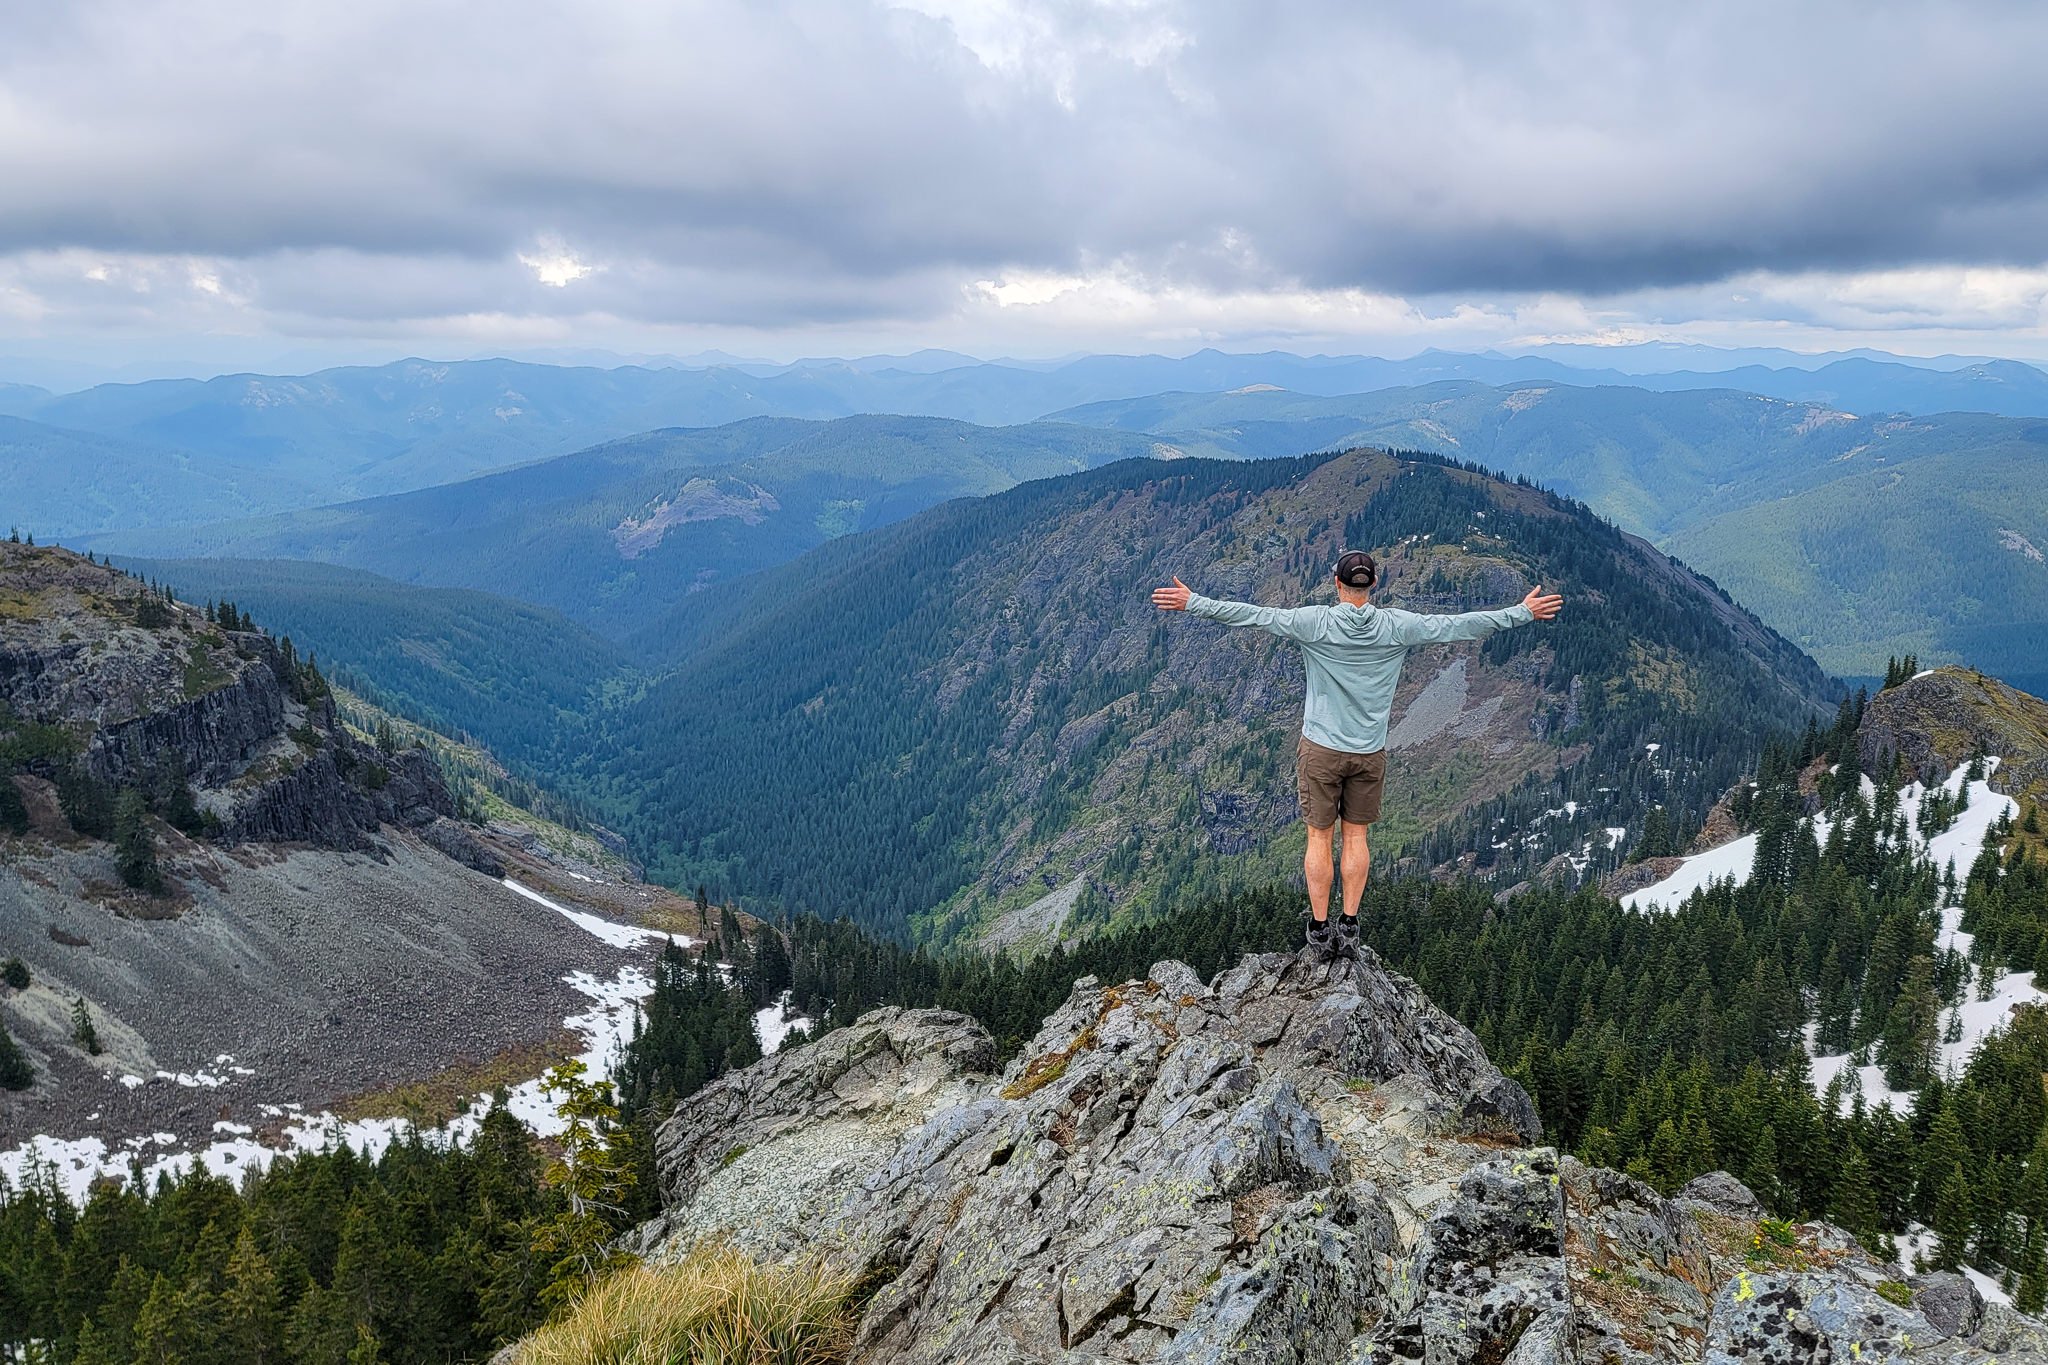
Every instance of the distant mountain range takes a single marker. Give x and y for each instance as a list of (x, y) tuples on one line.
[(1860, 537), (616, 535), (281, 442)]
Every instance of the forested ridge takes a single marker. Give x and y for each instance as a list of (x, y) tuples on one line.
[(991, 681)]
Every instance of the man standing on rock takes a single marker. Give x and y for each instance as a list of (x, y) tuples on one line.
[(1352, 652)]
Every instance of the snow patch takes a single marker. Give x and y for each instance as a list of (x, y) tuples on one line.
[(1918, 1242), (1957, 847), (75, 1164), (772, 1024), (611, 931)]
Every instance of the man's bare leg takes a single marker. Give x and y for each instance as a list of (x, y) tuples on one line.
[(1320, 872), (1357, 866)]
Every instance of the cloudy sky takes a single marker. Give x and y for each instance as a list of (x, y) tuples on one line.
[(251, 181)]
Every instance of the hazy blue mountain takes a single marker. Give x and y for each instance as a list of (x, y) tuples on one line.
[(614, 534), (1654, 462), (1663, 357), (366, 431), (415, 423), (16, 399)]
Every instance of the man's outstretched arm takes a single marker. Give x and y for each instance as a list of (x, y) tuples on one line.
[(1411, 629), (1289, 622)]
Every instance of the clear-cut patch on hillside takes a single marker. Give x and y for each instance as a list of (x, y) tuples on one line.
[(697, 500)]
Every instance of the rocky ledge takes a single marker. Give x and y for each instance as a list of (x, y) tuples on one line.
[(1294, 1162), (138, 684), (1934, 722)]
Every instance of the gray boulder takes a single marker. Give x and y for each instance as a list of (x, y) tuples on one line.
[(1723, 1193), (453, 839), (1808, 1319), (1948, 1301)]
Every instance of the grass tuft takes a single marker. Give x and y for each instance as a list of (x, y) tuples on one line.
[(716, 1307)]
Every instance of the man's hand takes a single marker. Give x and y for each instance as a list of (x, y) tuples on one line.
[(1541, 607), (1176, 597)]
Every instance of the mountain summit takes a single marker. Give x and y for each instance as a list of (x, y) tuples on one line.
[(1291, 1162)]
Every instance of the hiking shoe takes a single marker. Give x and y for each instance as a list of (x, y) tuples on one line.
[(1347, 935), (1321, 938)]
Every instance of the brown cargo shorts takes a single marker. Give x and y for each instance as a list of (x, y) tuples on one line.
[(1335, 784)]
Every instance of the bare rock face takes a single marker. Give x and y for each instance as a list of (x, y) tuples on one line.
[(757, 1154), (1636, 876), (1295, 1162)]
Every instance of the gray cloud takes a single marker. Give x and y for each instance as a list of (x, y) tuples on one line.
[(783, 161)]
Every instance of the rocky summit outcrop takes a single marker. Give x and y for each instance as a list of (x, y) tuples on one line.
[(1294, 1162), (1933, 723)]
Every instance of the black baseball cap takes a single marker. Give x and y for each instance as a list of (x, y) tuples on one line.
[(1355, 568)]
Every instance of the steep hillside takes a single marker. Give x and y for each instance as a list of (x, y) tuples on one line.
[(977, 722), (1943, 556), (611, 534), (523, 679), (226, 899)]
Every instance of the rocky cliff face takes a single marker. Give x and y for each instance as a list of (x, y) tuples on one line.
[(1935, 722), (1294, 1162), (139, 684)]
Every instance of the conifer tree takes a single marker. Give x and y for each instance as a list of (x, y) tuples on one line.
[(14, 973), (251, 1305), (321, 1332), (1667, 1171), (594, 1175), (134, 845), (85, 801), (367, 1350), (1953, 1218), (173, 797), (13, 811), (107, 1336), (1912, 1028), (1762, 1172), (15, 1071), (1855, 1205), (82, 1031), (1945, 1148), (2032, 1295), (169, 1330), (1658, 839)]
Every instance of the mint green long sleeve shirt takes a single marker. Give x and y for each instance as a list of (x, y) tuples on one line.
[(1353, 657)]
